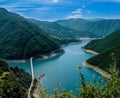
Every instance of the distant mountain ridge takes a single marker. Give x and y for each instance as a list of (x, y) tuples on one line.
[(57, 30), (97, 27), (76, 28), (21, 39)]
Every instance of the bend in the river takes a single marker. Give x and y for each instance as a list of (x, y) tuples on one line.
[(62, 68)]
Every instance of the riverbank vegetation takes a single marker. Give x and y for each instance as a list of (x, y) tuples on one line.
[(14, 82), (105, 59), (107, 47)]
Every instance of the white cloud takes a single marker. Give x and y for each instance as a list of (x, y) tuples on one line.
[(37, 1), (77, 11), (45, 1), (75, 14), (41, 10)]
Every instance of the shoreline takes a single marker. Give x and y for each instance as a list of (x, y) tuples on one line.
[(88, 38), (90, 51), (36, 92), (72, 43), (43, 57), (97, 69)]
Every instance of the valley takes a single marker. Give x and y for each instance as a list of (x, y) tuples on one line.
[(78, 57)]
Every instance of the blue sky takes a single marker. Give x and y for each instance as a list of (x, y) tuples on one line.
[(63, 9)]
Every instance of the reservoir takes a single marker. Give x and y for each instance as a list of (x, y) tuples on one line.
[(62, 68)]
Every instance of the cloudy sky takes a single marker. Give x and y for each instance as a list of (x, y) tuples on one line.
[(63, 9)]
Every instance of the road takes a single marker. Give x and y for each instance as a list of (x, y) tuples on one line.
[(32, 71)]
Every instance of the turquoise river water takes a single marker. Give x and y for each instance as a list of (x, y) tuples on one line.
[(62, 68)]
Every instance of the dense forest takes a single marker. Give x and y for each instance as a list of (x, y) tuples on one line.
[(100, 45), (14, 82), (109, 49), (95, 27), (21, 39), (106, 58)]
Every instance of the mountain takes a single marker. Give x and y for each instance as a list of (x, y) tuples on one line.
[(21, 39), (109, 49), (96, 27), (54, 29), (100, 45), (14, 82), (77, 24), (57, 30), (106, 59)]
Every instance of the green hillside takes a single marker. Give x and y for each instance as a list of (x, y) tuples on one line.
[(96, 27), (21, 39), (77, 24), (14, 82), (106, 59), (100, 45), (109, 49), (60, 31)]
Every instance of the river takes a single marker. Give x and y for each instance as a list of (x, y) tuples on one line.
[(62, 68)]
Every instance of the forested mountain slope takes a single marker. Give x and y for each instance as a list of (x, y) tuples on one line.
[(109, 49), (21, 39), (107, 59), (60, 31), (96, 27), (100, 45)]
